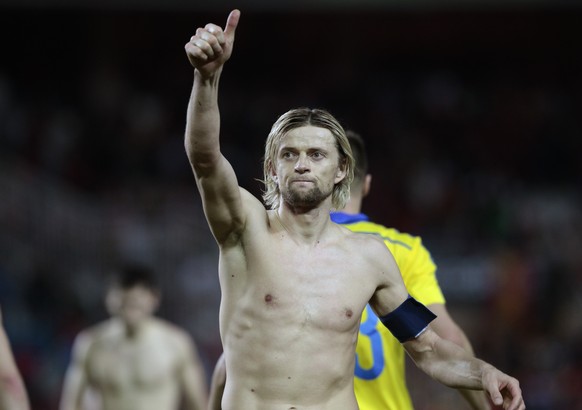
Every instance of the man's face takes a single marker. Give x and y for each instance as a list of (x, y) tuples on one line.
[(307, 166), (132, 305)]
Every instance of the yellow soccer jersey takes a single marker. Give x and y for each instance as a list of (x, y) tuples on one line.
[(379, 381)]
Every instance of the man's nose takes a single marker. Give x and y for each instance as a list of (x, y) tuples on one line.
[(302, 164)]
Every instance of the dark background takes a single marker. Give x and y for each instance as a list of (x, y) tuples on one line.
[(473, 117)]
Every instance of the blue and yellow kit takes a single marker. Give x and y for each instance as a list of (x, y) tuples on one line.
[(380, 382)]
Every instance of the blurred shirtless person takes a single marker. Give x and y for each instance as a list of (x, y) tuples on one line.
[(134, 361), (294, 283), (12, 391)]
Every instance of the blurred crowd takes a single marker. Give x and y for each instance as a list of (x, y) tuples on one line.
[(474, 123)]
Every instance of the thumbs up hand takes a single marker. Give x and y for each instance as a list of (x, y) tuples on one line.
[(212, 46)]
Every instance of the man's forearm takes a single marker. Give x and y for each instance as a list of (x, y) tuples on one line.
[(445, 361), (207, 52), (203, 118), (476, 399)]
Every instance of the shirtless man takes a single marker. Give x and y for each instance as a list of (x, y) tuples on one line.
[(134, 360), (12, 391), (380, 379), (294, 283)]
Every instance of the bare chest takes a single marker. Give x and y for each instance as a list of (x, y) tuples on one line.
[(321, 288), (119, 365)]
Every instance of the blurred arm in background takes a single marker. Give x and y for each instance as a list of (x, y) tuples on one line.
[(12, 391)]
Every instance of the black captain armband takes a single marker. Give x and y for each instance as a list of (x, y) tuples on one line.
[(408, 320)]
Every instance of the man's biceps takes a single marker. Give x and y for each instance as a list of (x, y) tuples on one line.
[(409, 320)]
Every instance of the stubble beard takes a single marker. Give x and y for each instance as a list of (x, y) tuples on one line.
[(305, 199)]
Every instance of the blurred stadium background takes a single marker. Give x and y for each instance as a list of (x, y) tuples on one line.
[(472, 111)]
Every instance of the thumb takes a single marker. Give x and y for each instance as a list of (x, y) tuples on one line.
[(496, 397), (231, 24)]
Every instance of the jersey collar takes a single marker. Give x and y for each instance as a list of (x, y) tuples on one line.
[(343, 218)]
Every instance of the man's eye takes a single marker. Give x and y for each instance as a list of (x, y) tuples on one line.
[(317, 155)]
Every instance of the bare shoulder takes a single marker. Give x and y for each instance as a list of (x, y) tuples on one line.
[(253, 205), (176, 336), (249, 199), (257, 214), (89, 337), (252, 212), (99, 331), (243, 214), (369, 245), (371, 252), (173, 330)]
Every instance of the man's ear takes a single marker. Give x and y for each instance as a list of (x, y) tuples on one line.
[(339, 175), (367, 185), (272, 172), (341, 172)]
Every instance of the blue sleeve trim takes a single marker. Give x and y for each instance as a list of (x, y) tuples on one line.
[(346, 219), (408, 320)]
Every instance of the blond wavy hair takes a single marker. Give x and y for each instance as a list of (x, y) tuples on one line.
[(300, 117)]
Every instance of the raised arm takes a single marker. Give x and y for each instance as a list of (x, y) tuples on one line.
[(207, 51), (12, 392)]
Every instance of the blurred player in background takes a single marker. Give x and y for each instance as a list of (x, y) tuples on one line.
[(134, 360)]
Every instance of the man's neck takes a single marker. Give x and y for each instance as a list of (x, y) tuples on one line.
[(304, 225), (133, 331)]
